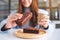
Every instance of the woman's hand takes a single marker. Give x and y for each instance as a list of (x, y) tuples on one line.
[(44, 22), (11, 20)]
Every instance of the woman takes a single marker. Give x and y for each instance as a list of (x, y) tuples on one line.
[(24, 6)]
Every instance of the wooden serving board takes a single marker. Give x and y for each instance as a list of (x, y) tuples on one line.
[(20, 34)]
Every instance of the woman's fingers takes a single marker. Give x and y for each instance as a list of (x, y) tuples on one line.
[(18, 15), (44, 22), (15, 17), (11, 20)]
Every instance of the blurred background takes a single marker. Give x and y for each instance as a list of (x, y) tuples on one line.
[(52, 6), (4, 9)]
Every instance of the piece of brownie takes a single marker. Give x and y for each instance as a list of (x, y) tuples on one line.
[(31, 30), (26, 17)]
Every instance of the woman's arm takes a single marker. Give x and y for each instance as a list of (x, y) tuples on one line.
[(4, 22), (11, 21)]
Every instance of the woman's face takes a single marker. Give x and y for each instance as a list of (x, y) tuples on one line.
[(26, 3)]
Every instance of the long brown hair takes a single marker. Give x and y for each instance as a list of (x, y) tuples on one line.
[(34, 7)]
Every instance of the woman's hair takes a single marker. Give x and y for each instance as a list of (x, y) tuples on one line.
[(34, 8)]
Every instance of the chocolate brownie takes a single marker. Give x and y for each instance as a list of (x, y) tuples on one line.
[(31, 30), (26, 17)]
